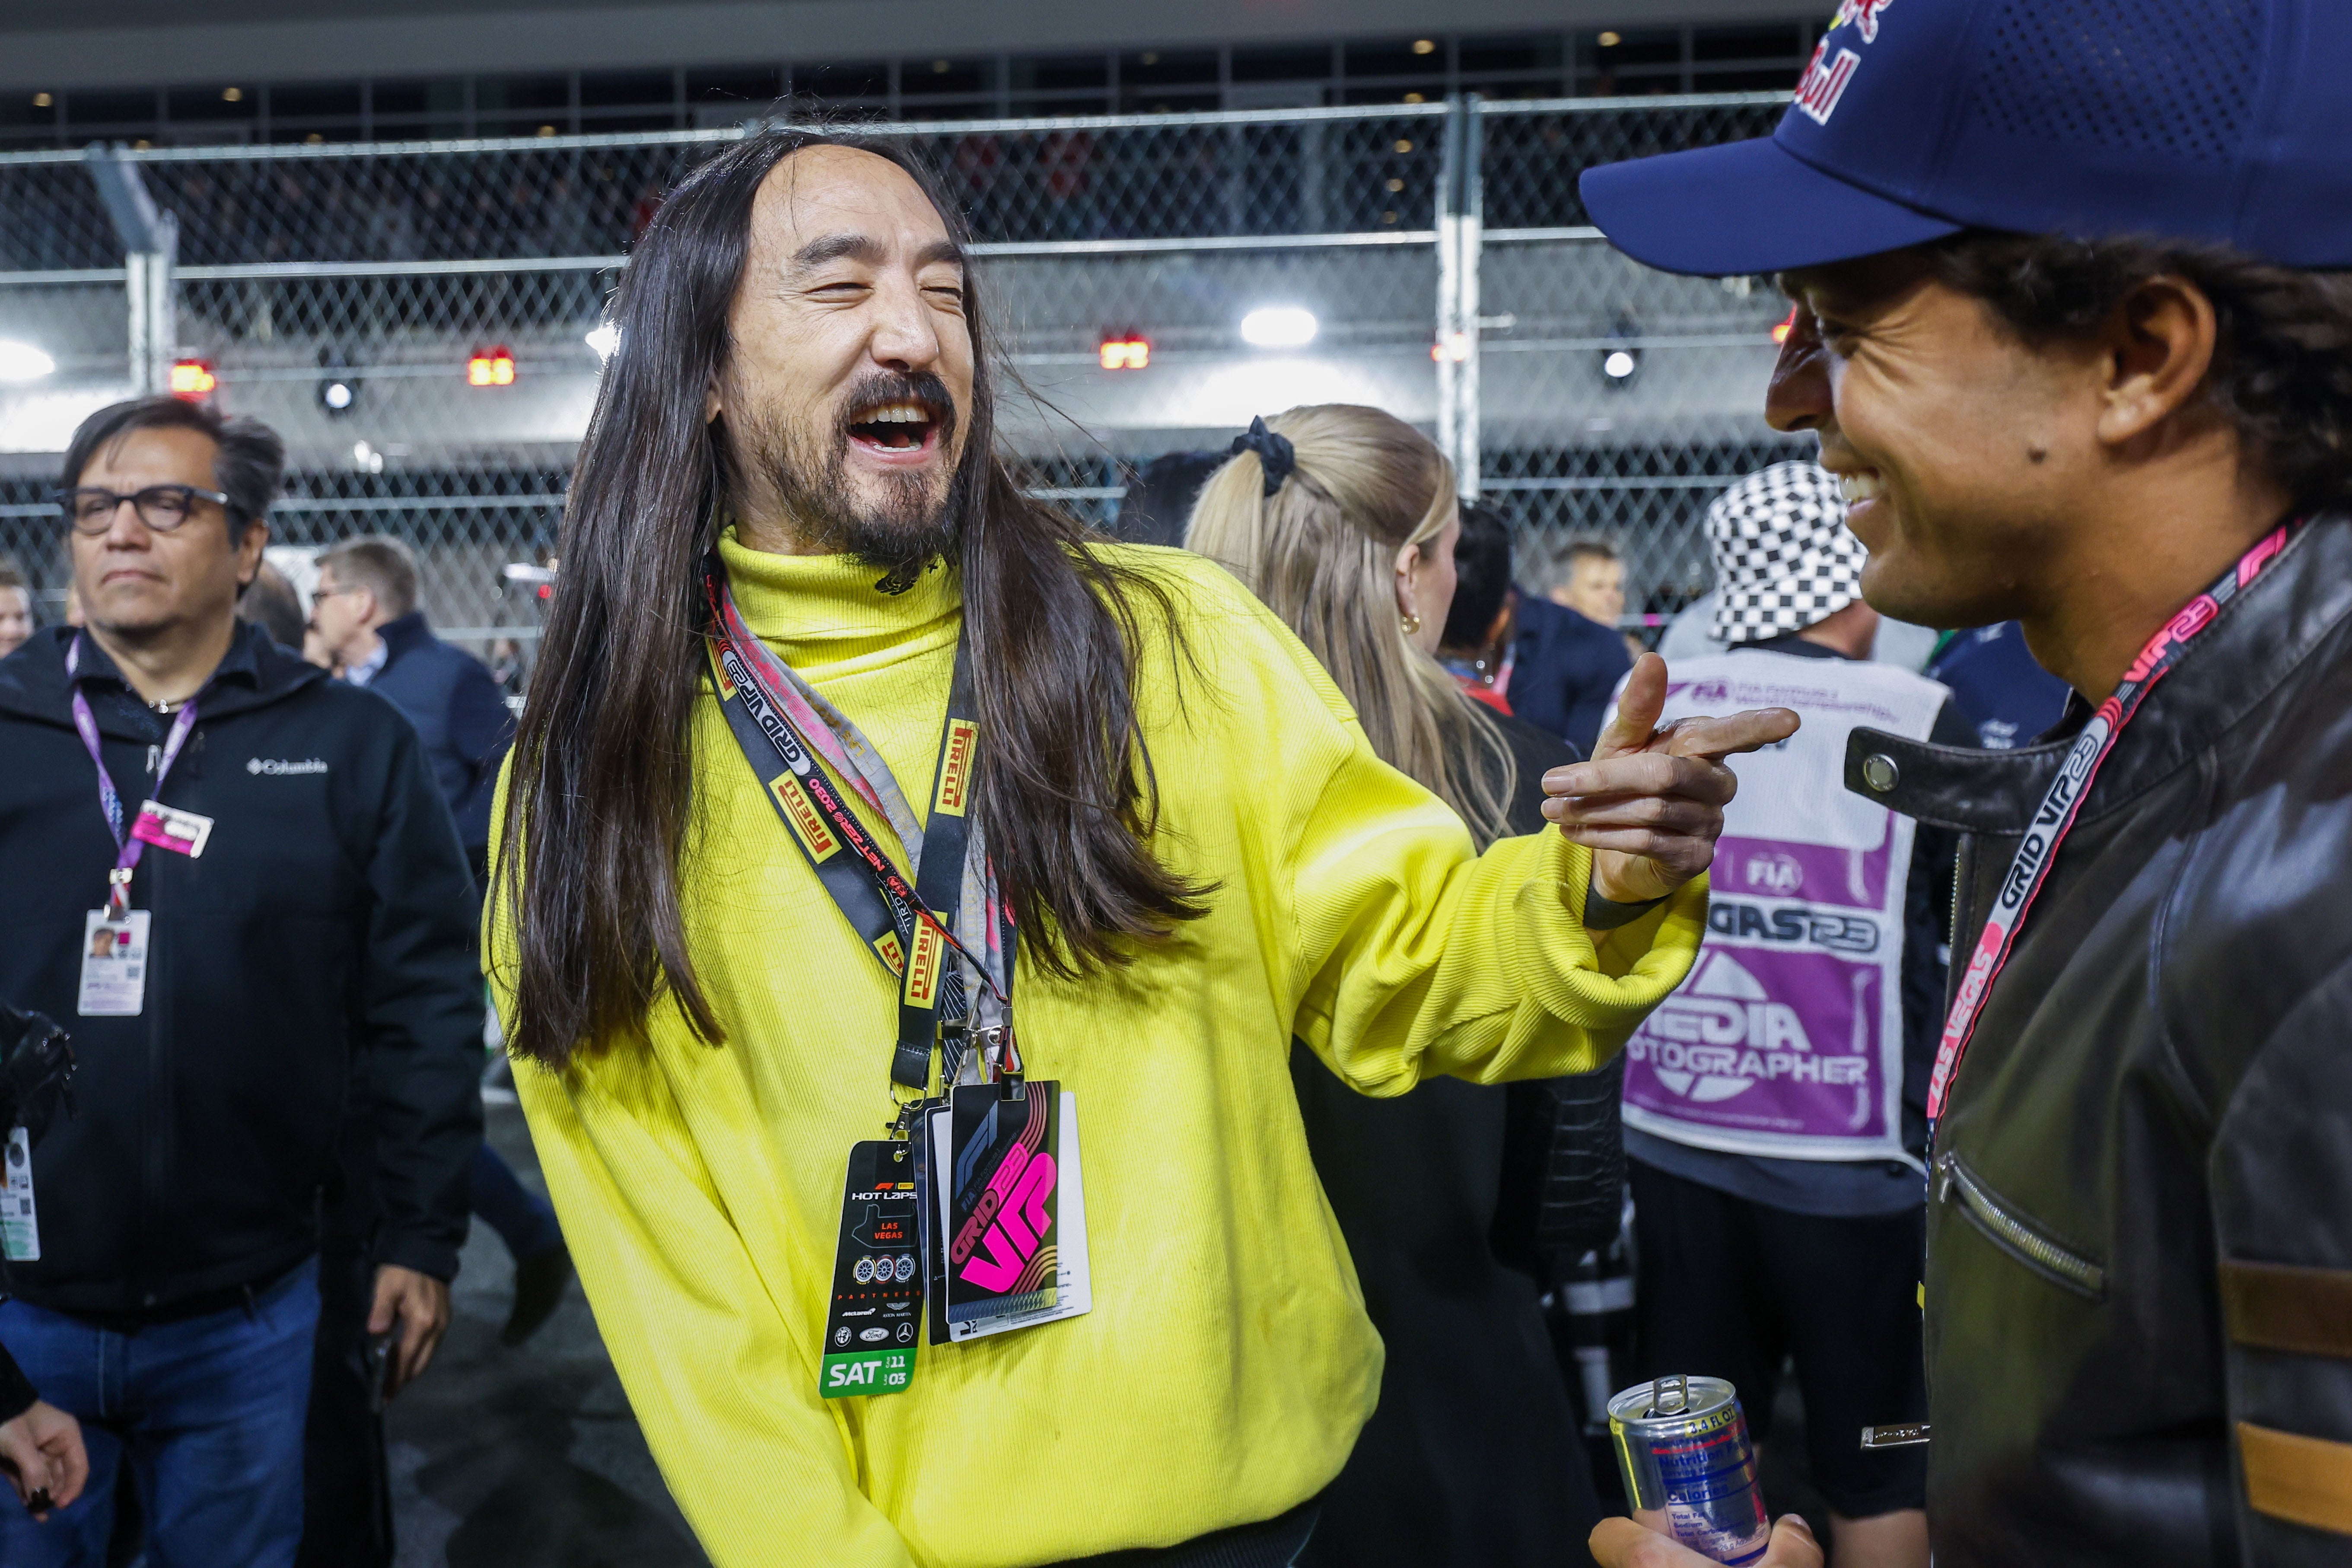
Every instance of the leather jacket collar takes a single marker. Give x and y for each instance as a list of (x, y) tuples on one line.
[(2257, 641)]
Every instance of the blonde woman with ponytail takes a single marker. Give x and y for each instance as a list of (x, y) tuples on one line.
[(1342, 520)]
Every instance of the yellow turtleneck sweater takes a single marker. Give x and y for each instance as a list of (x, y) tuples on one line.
[(1227, 1364)]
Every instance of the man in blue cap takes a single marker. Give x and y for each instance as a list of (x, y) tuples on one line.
[(2073, 330)]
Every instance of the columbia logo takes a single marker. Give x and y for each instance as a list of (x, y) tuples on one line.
[(278, 767)]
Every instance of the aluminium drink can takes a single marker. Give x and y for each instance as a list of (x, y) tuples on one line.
[(1690, 1472)]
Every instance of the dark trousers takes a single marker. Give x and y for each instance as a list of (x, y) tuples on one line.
[(1729, 1286), (347, 1485), (523, 1219)]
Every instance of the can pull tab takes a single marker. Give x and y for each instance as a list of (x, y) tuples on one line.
[(1908, 1435), (1670, 1395)]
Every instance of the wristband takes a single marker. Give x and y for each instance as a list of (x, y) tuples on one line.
[(1608, 914)]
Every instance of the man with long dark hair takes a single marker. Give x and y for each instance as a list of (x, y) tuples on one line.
[(801, 588)]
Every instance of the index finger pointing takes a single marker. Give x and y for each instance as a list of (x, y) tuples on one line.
[(1638, 707), (1718, 737)]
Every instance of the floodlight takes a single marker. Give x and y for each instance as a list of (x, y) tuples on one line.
[(1620, 355), (22, 361), (605, 340), (338, 389), (1279, 327)]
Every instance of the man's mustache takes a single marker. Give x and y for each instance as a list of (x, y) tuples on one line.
[(892, 386)]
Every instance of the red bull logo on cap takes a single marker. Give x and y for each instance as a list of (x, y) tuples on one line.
[(1818, 91)]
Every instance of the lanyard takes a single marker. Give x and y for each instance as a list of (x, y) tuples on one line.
[(775, 714), (127, 847), (2055, 816)]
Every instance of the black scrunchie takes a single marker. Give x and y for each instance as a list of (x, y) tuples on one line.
[(1275, 453)]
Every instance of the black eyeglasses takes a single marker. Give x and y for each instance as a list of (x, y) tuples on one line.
[(161, 507)]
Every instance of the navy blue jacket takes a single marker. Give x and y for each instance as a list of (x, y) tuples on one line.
[(2008, 696), (316, 960), (1564, 670), (460, 715)]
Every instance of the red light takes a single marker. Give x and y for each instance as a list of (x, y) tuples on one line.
[(492, 367), (1780, 334), (1126, 351), (193, 379), (547, 590)]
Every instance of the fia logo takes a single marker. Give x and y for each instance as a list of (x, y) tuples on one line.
[(1778, 873)]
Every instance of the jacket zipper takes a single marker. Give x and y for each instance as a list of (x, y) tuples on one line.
[(2014, 1236)]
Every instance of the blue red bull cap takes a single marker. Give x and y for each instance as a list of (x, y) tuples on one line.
[(2215, 120)]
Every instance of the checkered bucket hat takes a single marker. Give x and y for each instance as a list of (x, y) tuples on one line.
[(1784, 558)]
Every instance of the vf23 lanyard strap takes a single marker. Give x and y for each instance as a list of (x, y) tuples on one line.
[(127, 842), (2055, 816), (773, 718)]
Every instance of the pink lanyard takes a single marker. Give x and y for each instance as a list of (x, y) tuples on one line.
[(127, 846), (2055, 816)]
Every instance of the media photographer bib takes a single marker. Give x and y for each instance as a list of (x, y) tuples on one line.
[(1787, 1038)]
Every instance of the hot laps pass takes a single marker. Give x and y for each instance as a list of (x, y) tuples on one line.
[(877, 1288)]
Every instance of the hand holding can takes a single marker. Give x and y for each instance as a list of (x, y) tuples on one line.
[(1689, 1470), (1619, 1542)]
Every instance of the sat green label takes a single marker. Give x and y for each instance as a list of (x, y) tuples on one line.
[(866, 1372)]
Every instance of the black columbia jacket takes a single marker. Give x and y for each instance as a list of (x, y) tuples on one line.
[(2139, 1267), (316, 956)]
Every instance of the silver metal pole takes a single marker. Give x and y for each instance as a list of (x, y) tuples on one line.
[(1472, 221), (1448, 338), (151, 247)]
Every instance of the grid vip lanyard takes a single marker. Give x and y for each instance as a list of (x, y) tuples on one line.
[(2055, 816), (127, 841), (775, 716)]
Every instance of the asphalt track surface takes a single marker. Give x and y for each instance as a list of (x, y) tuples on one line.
[(516, 1458)]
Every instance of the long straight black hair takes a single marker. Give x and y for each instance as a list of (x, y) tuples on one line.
[(598, 803)]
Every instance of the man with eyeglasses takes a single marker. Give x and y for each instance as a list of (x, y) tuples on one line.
[(236, 883)]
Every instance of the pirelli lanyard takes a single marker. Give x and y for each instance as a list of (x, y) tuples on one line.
[(2064, 799), (777, 717)]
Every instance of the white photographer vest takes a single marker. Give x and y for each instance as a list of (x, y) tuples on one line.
[(1787, 1037)]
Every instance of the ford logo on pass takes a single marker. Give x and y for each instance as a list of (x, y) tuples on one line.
[(875, 1335)]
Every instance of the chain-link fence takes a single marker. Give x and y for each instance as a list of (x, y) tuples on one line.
[(420, 321)]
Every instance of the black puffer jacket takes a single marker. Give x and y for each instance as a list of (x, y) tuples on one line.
[(317, 956), (2139, 1272)]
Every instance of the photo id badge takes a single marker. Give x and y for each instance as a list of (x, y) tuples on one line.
[(1012, 1207), (20, 1227), (113, 964), (877, 1285)]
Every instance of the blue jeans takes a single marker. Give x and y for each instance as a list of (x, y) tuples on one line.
[(210, 1412)]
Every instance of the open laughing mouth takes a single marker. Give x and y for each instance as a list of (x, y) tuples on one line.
[(902, 429)]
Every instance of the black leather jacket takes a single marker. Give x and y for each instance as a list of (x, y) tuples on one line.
[(2140, 1265)]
